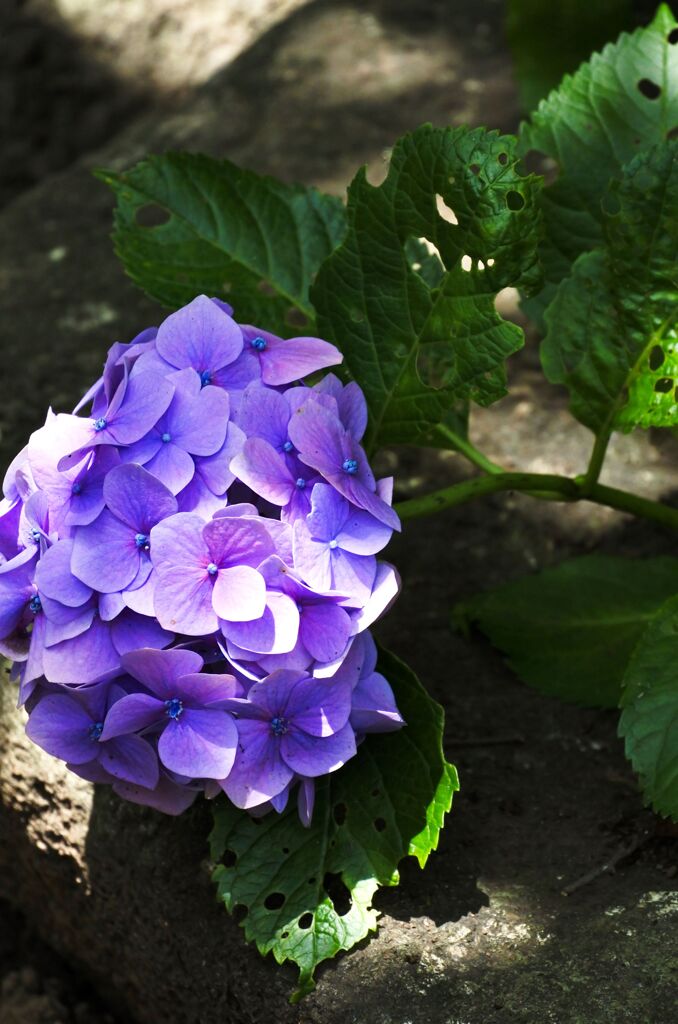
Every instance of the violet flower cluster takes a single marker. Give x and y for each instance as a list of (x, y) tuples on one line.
[(188, 569)]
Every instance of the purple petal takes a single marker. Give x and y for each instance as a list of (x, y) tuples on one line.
[(130, 632), (167, 797), (261, 467), (239, 593), (362, 534), (137, 498), (198, 689), (306, 801), (384, 592), (237, 542), (312, 755), (264, 413), (353, 575), (146, 399), (353, 410), (54, 578), (173, 466), (274, 633), (373, 706), (86, 658), (319, 707), (285, 361), (132, 713), (258, 773), (324, 630), (105, 554), (360, 495), (329, 512), (199, 744), (183, 601), (199, 335), (86, 497), (160, 671), (130, 759), (318, 436), (177, 542), (198, 424), (61, 726)]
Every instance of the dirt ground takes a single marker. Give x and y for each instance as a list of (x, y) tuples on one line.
[(485, 935)]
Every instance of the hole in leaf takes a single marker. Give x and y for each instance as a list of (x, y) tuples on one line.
[(451, 180), (672, 37), (274, 900), (503, 159), (229, 858), (466, 263), (514, 201), (379, 824), (490, 262), (295, 318), (445, 211), (481, 265), (340, 813), (656, 357), (151, 215), (338, 892), (311, 881), (285, 850), (240, 912), (357, 315), (284, 935), (375, 793), (663, 385), (475, 168), (650, 90), (672, 133), (266, 288), (306, 920)]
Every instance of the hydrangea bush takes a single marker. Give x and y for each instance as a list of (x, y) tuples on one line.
[(190, 563)]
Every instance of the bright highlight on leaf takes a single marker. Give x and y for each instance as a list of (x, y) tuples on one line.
[(308, 892)]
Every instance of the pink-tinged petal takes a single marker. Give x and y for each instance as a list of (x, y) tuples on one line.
[(177, 542), (373, 706), (384, 592), (198, 425), (183, 601), (312, 558), (285, 361), (167, 797), (261, 467), (53, 576), (199, 744), (237, 541), (324, 630), (199, 335), (105, 556), (319, 707), (274, 633), (239, 593), (313, 755), (306, 801), (146, 399), (86, 658), (130, 759), (319, 437), (131, 714), (160, 671), (137, 498), (198, 689), (61, 726), (173, 466), (353, 575), (258, 773)]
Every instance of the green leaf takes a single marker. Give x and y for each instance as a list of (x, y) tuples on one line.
[(418, 340), (570, 631), (544, 48), (389, 801), (612, 335), (649, 721), (591, 126), (225, 231)]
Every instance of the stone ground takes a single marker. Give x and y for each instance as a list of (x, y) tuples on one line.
[(485, 935)]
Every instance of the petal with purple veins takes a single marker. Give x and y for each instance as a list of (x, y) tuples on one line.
[(199, 744)]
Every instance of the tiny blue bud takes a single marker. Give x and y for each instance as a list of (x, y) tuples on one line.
[(333, 544), (96, 730), (288, 446), (35, 604), (205, 378), (100, 424), (173, 708), (76, 488), (166, 437), (141, 541), (259, 344), (212, 569), (350, 466), (278, 726), (35, 535), (300, 482)]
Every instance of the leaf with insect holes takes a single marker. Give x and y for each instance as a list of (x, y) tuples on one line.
[(612, 328), (215, 228), (624, 100), (649, 721), (570, 631), (420, 334), (308, 892)]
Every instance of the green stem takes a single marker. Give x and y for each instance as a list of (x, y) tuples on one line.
[(537, 485), (468, 450), (595, 465)]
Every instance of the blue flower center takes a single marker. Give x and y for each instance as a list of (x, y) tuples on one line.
[(259, 344), (288, 446), (35, 604), (96, 730), (350, 466), (173, 708), (205, 378), (166, 438), (100, 424), (278, 726), (35, 534), (141, 541), (212, 569), (301, 483), (76, 488), (333, 544)]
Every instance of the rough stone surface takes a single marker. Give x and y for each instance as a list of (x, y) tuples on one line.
[(484, 936)]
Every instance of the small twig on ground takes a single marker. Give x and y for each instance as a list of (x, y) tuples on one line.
[(609, 865), (485, 741)]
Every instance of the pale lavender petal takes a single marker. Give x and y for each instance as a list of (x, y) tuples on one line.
[(173, 466), (285, 361), (324, 630), (130, 759), (312, 558), (373, 706), (261, 467), (177, 542), (319, 707), (137, 498), (54, 578), (279, 802), (110, 605), (199, 335), (306, 801), (365, 498), (353, 575), (146, 399), (264, 413), (198, 425), (313, 755), (183, 600), (239, 593), (258, 773), (271, 695), (10, 513), (384, 592), (274, 633), (199, 744), (362, 534), (318, 436), (142, 598), (61, 726), (105, 554), (237, 542), (160, 671)]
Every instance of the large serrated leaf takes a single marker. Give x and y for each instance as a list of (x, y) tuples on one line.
[(389, 801), (649, 721), (418, 341), (219, 229), (622, 101), (612, 328), (570, 631)]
